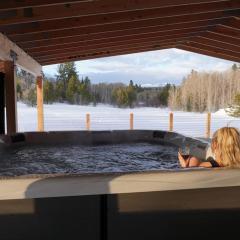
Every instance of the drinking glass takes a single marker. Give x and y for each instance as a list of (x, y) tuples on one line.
[(185, 152)]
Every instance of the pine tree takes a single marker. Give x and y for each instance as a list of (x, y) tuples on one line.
[(72, 90), (19, 90), (84, 89), (48, 92), (131, 94), (32, 97), (65, 72)]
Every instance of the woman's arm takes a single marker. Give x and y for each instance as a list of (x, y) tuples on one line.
[(192, 162), (184, 163)]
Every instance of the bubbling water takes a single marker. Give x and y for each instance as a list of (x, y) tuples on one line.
[(87, 159)]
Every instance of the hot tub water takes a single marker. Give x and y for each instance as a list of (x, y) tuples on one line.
[(87, 159)]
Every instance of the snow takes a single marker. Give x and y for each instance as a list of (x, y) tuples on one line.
[(60, 117), (221, 112)]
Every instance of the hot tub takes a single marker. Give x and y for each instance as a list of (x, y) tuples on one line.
[(153, 202)]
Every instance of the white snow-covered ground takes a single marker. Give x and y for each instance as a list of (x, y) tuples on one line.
[(103, 117)]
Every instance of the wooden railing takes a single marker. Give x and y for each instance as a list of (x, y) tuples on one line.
[(171, 123)]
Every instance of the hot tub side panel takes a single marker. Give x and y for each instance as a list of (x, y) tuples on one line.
[(51, 218), (190, 214), (212, 213)]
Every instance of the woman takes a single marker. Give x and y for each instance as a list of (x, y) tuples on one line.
[(225, 146)]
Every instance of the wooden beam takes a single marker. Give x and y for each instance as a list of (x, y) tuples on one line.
[(11, 101), (208, 52), (117, 47), (88, 122), (127, 16), (113, 42), (70, 31), (220, 38), (210, 42), (89, 47), (2, 66), (170, 121), (102, 54), (69, 10), (208, 125), (123, 35), (13, 4), (150, 45), (213, 49), (131, 121), (23, 59), (227, 31), (2, 101), (153, 23), (40, 104), (234, 22)]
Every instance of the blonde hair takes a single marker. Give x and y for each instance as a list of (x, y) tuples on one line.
[(226, 145)]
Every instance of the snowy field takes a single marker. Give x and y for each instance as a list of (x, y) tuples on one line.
[(72, 117)]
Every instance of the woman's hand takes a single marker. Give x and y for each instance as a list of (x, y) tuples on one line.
[(183, 162)]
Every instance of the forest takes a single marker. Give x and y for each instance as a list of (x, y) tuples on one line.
[(198, 92), (206, 91), (66, 87)]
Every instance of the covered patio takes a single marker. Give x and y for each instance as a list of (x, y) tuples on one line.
[(162, 204), (38, 33)]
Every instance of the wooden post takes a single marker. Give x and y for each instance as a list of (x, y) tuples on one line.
[(2, 103), (2, 67), (171, 122), (131, 121), (11, 101), (88, 123), (40, 104), (208, 126)]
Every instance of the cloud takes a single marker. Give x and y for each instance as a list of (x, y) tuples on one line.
[(154, 67)]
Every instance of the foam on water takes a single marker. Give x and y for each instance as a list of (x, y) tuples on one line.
[(87, 159)]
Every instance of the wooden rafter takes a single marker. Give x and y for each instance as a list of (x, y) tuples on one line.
[(51, 12), (220, 38), (95, 20), (126, 42), (94, 44), (211, 42), (208, 52), (151, 32), (123, 46), (218, 49), (213, 49), (102, 54), (53, 31), (163, 24), (13, 4)]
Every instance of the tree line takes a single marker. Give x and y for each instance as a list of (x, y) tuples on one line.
[(198, 92), (202, 91), (67, 87)]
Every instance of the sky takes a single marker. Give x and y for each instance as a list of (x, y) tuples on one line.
[(154, 68)]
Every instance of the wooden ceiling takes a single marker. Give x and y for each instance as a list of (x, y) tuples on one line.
[(55, 31)]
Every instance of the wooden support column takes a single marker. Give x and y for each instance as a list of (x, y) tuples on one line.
[(2, 68), (131, 121), (11, 101), (40, 104), (2, 102), (171, 122), (88, 122), (208, 125)]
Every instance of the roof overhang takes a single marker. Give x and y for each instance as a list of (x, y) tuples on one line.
[(11, 52), (55, 31)]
